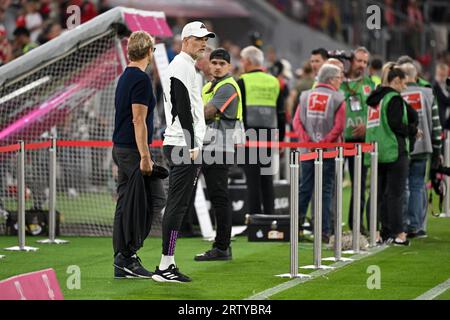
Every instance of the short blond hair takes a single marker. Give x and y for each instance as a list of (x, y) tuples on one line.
[(138, 45), (385, 70)]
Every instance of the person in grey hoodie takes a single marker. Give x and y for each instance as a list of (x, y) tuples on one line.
[(423, 101)]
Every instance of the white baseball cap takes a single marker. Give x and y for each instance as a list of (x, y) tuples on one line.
[(196, 29)]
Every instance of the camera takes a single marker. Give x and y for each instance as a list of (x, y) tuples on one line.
[(345, 57), (256, 39), (341, 55)]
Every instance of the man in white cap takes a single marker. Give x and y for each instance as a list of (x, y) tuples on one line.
[(183, 140)]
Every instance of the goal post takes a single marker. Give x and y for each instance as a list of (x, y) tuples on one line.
[(65, 89)]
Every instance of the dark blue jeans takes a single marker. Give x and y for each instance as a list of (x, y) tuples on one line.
[(417, 201), (351, 168), (307, 187)]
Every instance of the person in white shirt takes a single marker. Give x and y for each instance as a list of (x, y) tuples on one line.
[(183, 140)]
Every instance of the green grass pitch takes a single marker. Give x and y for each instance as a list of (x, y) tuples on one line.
[(405, 272)]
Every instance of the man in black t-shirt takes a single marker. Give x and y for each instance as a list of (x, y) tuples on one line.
[(133, 131)]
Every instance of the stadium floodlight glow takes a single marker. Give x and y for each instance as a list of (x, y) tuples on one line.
[(24, 89)]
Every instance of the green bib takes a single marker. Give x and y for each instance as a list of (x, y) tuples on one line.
[(208, 94), (378, 130), (423, 83), (356, 93)]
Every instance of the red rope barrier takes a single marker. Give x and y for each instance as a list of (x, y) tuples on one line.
[(350, 153), (38, 145), (330, 154), (96, 143), (77, 143), (11, 148), (315, 155), (366, 147), (302, 145), (156, 143), (309, 156)]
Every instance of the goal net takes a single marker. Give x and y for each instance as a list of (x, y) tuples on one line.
[(65, 89)]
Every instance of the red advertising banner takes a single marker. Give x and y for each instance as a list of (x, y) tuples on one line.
[(39, 285)]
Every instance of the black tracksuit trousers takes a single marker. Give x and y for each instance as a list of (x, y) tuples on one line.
[(182, 181), (216, 177), (391, 192)]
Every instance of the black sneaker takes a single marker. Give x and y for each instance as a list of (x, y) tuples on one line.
[(364, 232), (400, 243), (131, 266), (412, 234), (421, 234), (171, 274), (120, 274), (214, 254), (325, 239)]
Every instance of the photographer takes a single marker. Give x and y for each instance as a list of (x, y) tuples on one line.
[(356, 88), (441, 87)]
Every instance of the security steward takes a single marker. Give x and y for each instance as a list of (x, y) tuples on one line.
[(223, 115), (260, 92)]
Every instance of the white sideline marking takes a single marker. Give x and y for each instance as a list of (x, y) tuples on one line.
[(292, 283), (434, 292)]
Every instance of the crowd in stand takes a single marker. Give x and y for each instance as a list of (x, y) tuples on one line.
[(329, 15), (26, 24), (405, 23)]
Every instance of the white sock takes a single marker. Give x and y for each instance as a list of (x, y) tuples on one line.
[(166, 261)]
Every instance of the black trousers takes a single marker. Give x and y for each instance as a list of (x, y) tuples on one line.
[(126, 160), (216, 177), (391, 192), (351, 168), (182, 181), (260, 187)]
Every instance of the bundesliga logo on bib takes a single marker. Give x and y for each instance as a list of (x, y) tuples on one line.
[(317, 105), (374, 117), (414, 99)]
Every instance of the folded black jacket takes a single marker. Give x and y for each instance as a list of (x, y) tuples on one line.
[(137, 212)]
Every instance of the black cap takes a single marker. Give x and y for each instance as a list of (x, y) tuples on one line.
[(220, 53)]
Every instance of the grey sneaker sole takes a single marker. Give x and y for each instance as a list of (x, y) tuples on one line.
[(201, 258), (422, 236)]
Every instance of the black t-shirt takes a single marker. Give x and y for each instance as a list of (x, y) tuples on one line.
[(134, 86)]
